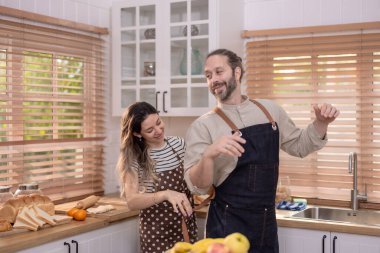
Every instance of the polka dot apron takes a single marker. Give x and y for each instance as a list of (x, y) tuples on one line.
[(160, 226)]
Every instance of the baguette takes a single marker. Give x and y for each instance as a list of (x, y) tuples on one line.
[(87, 202)]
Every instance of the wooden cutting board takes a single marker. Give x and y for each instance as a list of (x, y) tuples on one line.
[(120, 211), (15, 231)]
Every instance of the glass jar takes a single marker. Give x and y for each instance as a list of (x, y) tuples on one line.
[(5, 194), (283, 192), (26, 189)]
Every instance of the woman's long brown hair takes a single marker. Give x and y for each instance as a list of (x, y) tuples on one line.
[(133, 150)]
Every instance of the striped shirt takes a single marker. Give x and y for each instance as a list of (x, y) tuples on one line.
[(165, 160)]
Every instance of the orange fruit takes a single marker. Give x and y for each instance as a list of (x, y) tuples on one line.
[(80, 214), (72, 211)]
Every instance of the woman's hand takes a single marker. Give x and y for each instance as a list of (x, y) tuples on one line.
[(179, 202)]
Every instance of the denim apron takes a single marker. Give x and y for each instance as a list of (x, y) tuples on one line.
[(245, 201)]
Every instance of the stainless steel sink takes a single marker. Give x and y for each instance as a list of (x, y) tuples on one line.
[(371, 218)]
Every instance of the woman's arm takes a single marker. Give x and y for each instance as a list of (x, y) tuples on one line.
[(138, 201)]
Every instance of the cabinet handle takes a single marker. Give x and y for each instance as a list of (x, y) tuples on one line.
[(334, 243), (76, 246), (68, 245), (157, 92), (163, 101), (323, 243)]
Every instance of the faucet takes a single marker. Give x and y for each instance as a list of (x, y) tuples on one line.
[(355, 195)]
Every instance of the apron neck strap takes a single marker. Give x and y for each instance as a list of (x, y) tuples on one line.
[(234, 128), (265, 111), (231, 124)]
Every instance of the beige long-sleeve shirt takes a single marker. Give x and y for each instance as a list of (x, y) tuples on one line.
[(209, 127)]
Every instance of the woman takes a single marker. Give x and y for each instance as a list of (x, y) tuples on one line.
[(150, 170)]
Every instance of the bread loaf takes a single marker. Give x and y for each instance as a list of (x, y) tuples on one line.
[(11, 207), (87, 202), (5, 225), (8, 213)]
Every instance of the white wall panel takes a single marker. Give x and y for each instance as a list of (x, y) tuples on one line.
[(27, 5), (352, 11), (270, 14), (94, 16), (42, 6), (56, 8), (70, 10), (82, 13), (330, 12), (11, 3), (311, 13), (371, 10), (263, 14), (291, 12)]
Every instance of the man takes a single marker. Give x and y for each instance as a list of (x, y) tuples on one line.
[(243, 166)]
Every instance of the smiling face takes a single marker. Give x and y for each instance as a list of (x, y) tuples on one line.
[(222, 81), (152, 130)]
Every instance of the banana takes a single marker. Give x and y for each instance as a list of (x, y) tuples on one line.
[(182, 247), (220, 240), (202, 245)]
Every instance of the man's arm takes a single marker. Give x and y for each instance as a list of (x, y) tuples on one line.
[(201, 174), (324, 115)]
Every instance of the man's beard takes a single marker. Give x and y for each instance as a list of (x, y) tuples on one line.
[(230, 87)]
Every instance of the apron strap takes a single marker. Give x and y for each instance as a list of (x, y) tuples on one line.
[(234, 128), (185, 231), (231, 124), (267, 114)]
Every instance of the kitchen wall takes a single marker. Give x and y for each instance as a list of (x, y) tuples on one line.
[(259, 14), (272, 14)]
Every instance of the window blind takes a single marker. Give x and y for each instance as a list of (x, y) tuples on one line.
[(341, 69), (51, 109)]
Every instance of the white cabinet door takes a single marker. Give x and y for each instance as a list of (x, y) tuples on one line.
[(292, 240), (120, 237), (309, 241), (134, 62), (174, 36), (349, 243)]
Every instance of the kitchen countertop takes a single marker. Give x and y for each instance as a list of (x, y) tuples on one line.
[(29, 239)]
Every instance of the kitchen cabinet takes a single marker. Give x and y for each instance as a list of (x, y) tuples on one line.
[(311, 241), (119, 237), (158, 52)]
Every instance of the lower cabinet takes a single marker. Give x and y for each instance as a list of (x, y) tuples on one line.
[(120, 237), (293, 240)]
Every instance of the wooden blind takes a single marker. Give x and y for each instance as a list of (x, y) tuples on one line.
[(51, 109), (343, 70)]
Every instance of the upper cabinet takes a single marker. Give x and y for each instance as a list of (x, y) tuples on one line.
[(159, 48)]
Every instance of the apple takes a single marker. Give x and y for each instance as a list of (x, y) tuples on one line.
[(237, 243), (217, 247)]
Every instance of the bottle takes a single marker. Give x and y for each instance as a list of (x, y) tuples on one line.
[(5, 194), (196, 62), (26, 189)]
